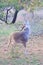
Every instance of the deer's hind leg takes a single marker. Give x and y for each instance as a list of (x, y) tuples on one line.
[(11, 45)]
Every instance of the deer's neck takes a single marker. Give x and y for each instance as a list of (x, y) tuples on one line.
[(26, 30)]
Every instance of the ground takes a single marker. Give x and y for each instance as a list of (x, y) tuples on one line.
[(34, 49)]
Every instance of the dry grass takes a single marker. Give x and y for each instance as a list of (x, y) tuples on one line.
[(34, 48)]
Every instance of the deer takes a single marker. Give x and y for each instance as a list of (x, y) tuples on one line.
[(21, 37)]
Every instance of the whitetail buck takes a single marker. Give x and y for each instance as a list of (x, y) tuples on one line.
[(21, 36)]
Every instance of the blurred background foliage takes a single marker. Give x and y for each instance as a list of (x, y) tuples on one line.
[(29, 5), (21, 3)]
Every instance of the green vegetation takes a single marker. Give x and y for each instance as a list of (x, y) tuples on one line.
[(20, 61), (9, 3), (20, 3)]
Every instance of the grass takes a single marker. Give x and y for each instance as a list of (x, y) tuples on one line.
[(20, 61), (19, 58), (7, 29)]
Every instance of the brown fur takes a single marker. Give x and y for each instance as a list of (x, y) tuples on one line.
[(17, 38)]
